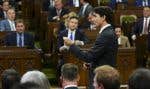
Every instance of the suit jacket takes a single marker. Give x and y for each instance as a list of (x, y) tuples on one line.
[(88, 9), (114, 2), (138, 27), (124, 42), (103, 51), (5, 26), (72, 88), (140, 3), (11, 40), (78, 36), (45, 5), (2, 16), (52, 13)]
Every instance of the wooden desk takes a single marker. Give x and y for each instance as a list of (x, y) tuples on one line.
[(20, 59), (126, 63), (69, 58)]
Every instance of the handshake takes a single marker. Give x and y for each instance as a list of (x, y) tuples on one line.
[(69, 42)]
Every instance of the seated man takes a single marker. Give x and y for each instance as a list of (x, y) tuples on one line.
[(20, 38), (123, 41), (106, 77), (10, 77), (72, 32), (57, 11), (139, 79), (9, 23), (69, 76)]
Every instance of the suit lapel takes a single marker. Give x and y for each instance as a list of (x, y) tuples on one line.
[(8, 26)]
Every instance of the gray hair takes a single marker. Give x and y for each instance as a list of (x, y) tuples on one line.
[(36, 77)]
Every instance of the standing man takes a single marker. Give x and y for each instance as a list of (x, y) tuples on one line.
[(69, 76), (104, 50), (57, 11), (20, 38), (85, 9), (141, 26)]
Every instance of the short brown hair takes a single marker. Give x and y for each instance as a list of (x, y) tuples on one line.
[(19, 21), (69, 71), (107, 76)]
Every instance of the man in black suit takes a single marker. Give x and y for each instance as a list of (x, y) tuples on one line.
[(3, 11), (57, 12), (20, 38), (72, 32), (140, 29), (141, 26), (69, 76), (85, 9), (105, 47)]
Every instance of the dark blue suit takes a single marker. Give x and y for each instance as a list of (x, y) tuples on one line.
[(11, 40), (78, 36), (114, 2), (5, 26), (103, 52), (139, 3), (2, 16), (138, 28), (52, 13)]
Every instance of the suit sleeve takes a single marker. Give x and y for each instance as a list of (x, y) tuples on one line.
[(2, 27), (95, 52)]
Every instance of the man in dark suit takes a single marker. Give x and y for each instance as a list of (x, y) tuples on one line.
[(20, 38), (105, 47), (69, 76), (113, 3), (3, 11), (142, 3), (72, 32), (85, 9), (140, 29), (141, 25), (46, 4), (57, 12)]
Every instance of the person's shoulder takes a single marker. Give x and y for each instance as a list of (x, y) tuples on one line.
[(124, 37), (4, 21)]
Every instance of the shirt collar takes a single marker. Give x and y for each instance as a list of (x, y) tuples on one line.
[(85, 5), (104, 28), (69, 31), (70, 86)]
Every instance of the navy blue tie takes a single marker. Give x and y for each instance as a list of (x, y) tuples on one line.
[(71, 36), (20, 40)]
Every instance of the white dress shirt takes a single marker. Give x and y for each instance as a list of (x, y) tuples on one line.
[(73, 34), (104, 28), (18, 39), (148, 19)]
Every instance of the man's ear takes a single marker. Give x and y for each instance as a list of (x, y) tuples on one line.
[(104, 17), (78, 77)]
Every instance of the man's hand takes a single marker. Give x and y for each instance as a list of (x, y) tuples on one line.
[(63, 49), (67, 41), (77, 42)]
